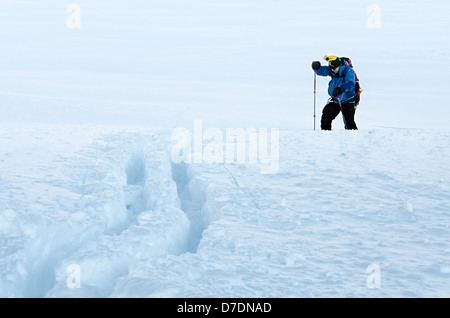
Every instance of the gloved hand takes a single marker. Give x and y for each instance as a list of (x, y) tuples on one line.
[(337, 91), (316, 65)]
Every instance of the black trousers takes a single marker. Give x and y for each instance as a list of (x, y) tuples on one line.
[(332, 109)]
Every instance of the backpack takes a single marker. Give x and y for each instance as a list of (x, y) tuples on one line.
[(358, 89)]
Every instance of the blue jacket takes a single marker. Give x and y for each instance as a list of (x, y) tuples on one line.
[(346, 80)]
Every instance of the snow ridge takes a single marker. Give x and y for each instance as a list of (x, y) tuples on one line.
[(155, 221), (191, 193)]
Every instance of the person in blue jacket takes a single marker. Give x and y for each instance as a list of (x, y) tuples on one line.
[(341, 89)]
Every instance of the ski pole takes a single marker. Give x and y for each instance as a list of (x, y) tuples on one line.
[(315, 85)]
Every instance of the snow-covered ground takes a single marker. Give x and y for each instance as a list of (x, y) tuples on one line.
[(94, 201)]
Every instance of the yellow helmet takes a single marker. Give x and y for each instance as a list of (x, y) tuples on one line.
[(333, 61)]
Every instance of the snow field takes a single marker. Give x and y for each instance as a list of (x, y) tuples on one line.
[(91, 204), (104, 212)]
